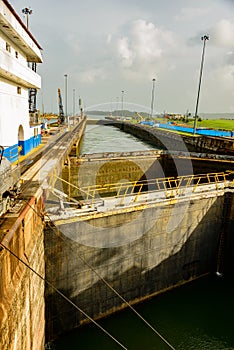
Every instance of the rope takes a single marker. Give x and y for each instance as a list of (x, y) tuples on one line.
[(109, 286), (117, 293), (64, 297), (128, 304)]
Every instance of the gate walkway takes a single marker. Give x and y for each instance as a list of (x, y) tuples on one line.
[(129, 195)]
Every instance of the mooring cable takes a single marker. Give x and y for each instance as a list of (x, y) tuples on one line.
[(116, 292), (104, 281), (64, 297), (129, 305)]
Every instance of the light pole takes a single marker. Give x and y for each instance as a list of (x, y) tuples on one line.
[(152, 98), (74, 99), (117, 105), (65, 76), (122, 97), (27, 11), (204, 38), (74, 105)]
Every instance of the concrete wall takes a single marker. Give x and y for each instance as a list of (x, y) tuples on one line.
[(140, 253), (110, 168), (227, 244), (22, 304), (176, 142), (163, 139), (115, 168)]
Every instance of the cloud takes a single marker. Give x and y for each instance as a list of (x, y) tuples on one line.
[(223, 33), (230, 58), (92, 75), (144, 44), (146, 40), (108, 46), (125, 52)]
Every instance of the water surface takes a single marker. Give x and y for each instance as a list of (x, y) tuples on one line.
[(102, 138), (196, 316)]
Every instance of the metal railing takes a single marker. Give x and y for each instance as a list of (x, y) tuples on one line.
[(169, 186)]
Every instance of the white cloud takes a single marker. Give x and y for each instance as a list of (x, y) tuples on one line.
[(125, 52), (108, 46), (223, 33), (92, 75), (146, 40), (144, 44)]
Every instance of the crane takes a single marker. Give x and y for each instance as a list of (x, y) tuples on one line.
[(139, 117), (61, 113)]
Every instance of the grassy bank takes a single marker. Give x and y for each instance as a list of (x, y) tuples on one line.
[(216, 124), (222, 124)]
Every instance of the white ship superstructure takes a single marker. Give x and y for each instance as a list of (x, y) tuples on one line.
[(18, 47)]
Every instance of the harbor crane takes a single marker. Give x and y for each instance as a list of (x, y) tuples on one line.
[(61, 112)]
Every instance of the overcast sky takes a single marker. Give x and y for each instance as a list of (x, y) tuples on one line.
[(109, 46)]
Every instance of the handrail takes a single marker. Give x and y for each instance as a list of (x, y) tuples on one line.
[(170, 186)]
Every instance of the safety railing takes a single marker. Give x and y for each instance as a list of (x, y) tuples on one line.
[(170, 186)]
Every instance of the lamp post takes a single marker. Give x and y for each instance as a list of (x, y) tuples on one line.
[(74, 105), (152, 98), (117, 105), (74, 99), (65, 76), (204, 38), (27, 11), (122, 97)]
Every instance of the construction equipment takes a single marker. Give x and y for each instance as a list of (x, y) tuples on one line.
[(139, 117), (61, 112)]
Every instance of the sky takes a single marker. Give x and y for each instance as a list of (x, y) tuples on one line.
[(109, 46)]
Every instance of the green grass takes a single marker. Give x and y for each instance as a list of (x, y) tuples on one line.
[(223, 124), (216, 124)]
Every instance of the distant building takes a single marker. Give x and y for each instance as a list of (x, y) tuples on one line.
[(18, 50), (174, 116)]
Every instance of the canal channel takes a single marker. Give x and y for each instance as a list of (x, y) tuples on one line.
[(196, 316)]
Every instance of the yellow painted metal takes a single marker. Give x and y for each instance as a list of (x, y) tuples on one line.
[(170, 186)]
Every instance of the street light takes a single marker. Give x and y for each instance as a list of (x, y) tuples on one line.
[(74, 99), (152, 98), (122, 96), (203, 38), (65, 75), (117, 105), (74, 105), (27, 11)]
